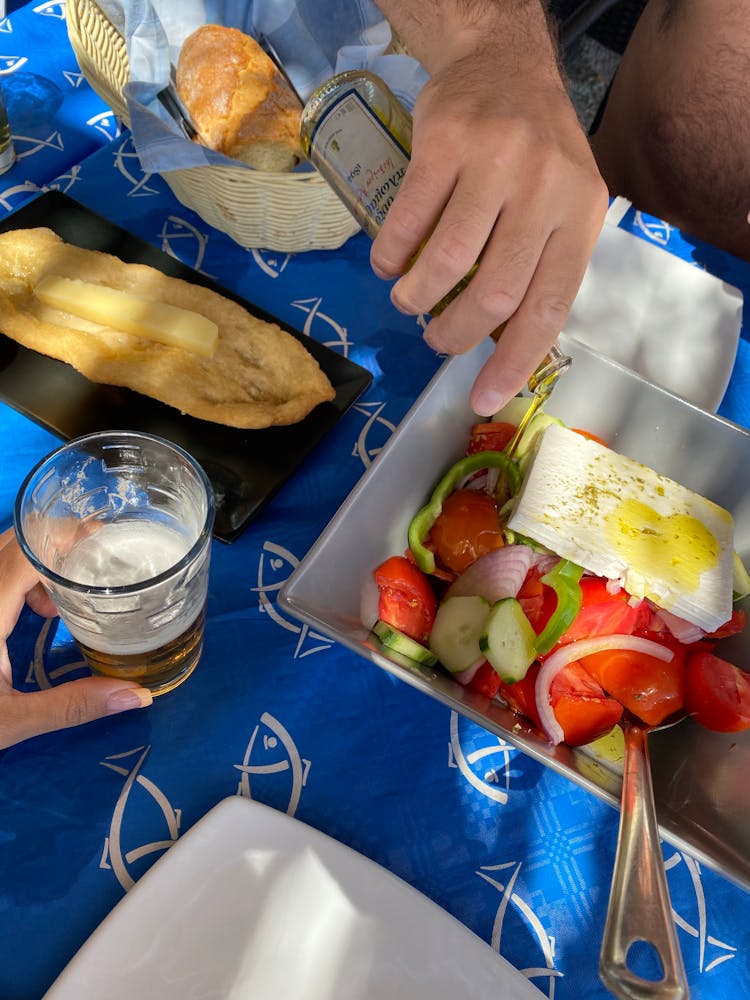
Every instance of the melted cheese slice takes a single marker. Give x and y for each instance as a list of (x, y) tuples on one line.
[(619, 519), (119, 310)]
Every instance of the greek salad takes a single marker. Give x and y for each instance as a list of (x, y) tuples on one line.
[(570, 606)]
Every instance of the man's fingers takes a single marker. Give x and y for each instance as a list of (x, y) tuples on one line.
[(422, 195), (453, 247), (497, 288), (535, 326), (23, 715)]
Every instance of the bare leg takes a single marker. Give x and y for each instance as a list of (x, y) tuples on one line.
[(675, 135)]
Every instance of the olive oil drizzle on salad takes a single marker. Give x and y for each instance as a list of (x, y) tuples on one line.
[(678, 545)]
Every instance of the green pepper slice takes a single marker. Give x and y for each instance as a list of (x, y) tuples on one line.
[(424, 519), (565, 580)]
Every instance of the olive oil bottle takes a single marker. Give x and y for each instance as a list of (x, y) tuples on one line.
[(357, 134)]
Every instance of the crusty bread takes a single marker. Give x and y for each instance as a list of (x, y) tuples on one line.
[(259, 375), (238, 99)]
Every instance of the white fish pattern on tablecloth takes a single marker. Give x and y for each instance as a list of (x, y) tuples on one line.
[(275, 565), (711, 951), (506, 886), (125, 156), (64, 182), (492, 782), (655, 229), (49, 664), (369, 444), (51, 8), (192, 243), (271, 755), (270, 261), (115, 855), (10, 64), (19, 192), (106, 124), (318, 324), (76, 80), (29, 145)]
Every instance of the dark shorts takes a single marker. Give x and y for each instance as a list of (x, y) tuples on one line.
[(612, 28), (625, 9)]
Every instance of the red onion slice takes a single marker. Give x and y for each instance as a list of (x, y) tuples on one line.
[(495, 575), (682, 630), (369, 604), (467, 676), (577, 651)]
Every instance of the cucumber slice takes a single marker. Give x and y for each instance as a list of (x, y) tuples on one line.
[(459, 623), (531, 436), (391, 638), (514, 410), (741, 584), (508, 641)]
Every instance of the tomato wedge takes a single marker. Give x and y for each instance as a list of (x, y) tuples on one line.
[(717, 693), (466, 528), (485, 681), (648, 687), (590, 436), (735, 625), (521, 696), (490, 436), (602, 613), (580, 705), (406, 601), (537, 600)]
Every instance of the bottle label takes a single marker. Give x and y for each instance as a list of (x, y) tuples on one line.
[(352, 142)]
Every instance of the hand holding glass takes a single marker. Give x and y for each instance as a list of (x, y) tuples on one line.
[(118, 524)]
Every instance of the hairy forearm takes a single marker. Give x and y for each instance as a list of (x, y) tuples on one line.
[(441, 31)]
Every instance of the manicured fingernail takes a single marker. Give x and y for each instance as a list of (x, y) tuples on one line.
[(488, 403), (127, 698)]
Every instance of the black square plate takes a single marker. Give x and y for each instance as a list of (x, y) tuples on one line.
[(246, 467)]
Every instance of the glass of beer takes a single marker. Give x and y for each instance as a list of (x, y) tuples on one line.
[(118, 524)]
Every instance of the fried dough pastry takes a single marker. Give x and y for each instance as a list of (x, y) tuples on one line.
[(259, 375)]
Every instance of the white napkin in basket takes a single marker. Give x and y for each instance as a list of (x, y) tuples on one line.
[(313, 40)]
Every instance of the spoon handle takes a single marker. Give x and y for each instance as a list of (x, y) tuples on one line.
[(639, 904)]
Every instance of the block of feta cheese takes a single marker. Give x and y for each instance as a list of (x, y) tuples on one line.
[(621, 520)]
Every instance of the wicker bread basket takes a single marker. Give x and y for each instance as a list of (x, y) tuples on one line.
[(277, 211)]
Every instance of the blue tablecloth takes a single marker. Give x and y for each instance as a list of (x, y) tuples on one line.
[(56, 120), (518, 853)]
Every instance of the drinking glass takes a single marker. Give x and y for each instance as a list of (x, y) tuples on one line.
[(118, 524)]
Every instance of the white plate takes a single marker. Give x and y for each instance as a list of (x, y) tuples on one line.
[(660, 316), (251, 903)]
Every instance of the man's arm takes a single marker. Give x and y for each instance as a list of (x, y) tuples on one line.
[(500, 168)]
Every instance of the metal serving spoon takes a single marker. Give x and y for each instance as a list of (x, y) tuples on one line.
[(639, 903)]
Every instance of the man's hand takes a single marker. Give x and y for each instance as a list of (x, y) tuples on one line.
[(500, 170), (23, 715)]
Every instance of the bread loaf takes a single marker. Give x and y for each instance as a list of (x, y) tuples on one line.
[(239, 101)]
